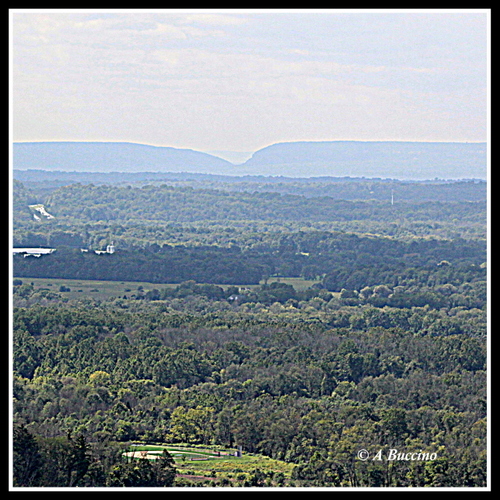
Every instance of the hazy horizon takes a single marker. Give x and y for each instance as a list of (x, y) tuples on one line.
[(239, 80)]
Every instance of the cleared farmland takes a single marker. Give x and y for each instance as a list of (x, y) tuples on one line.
[(103, 290)]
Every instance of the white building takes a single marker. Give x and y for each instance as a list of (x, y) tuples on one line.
[(33, 252), (109, 249)]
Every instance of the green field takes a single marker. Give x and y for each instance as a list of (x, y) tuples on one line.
[(97, 289), (298, 283), (103, 290), (200, 463), (181, 454)]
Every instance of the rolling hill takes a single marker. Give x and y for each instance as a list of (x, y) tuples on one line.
[(399, 160), (113, 157), (396, 160)]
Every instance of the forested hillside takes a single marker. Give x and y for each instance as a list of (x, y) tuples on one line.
[(164, 214), (386, 351), (340, 188), (171, 204)]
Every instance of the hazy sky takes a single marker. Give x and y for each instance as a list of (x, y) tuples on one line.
[(243, 79)]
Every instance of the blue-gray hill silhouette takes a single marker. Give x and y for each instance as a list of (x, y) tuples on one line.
[(113, 157), (391, 159)]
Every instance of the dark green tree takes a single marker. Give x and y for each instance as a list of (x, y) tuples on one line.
[(27, 459)]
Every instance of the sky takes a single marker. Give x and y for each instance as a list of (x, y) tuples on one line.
[(240, 80)]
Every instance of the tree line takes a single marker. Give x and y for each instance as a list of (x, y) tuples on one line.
[(346, 188), (342, 260), (186, 204), (70, 462)]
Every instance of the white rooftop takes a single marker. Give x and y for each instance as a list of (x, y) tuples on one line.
[(34, 250)]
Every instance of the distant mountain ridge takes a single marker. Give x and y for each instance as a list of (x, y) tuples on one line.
[(375, 159), (394, 159), (113, 157)]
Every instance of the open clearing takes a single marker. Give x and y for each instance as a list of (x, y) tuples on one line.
[(202, 462), (103, 290), (179, 454), (97, 289)]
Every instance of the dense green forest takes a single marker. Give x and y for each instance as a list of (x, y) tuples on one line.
[(158, 213), (343, 188), (387, 351), (309, 378)]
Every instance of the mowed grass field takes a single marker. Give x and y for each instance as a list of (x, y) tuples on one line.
[(197, 462), (97, 289), (103, 290), (181, 453)]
